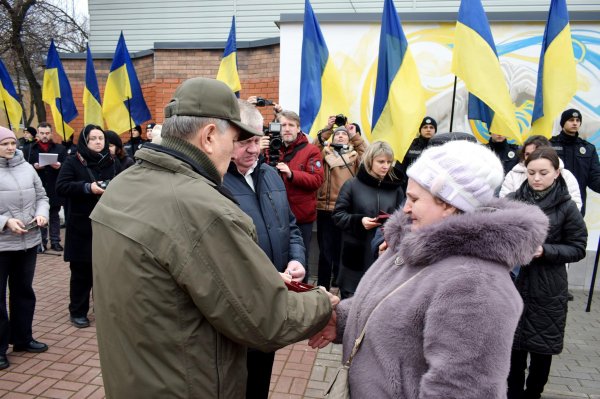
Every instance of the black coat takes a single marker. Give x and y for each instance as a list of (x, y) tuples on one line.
[(361, 196), (73, 184), (580, 158), (417, 146), (506, 152), (543, 282), (48, 174)]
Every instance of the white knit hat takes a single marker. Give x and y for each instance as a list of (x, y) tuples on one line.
[(460, 173)]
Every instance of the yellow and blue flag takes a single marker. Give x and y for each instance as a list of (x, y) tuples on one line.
[(399, 103), (475, 61), (228, 72), (92, 107), (124, 105), (557, 75), (56, 92), (10, 99), (321, 94)]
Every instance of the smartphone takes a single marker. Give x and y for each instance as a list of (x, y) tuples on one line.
[(31, 225), (382, 217)]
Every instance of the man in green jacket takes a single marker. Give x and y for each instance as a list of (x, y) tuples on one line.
[(181, 288)]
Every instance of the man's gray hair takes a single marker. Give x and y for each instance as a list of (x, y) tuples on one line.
[(250, 115), (185, 127)]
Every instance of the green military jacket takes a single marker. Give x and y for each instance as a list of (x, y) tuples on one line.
[(181, 289)]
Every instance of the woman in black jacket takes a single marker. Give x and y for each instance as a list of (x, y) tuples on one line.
[(374, 189), (82, 180), (543, 282)]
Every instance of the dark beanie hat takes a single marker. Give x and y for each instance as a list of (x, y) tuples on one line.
[(428, 120), (568, 114), (113, 138), (357, 126), (31, 130)]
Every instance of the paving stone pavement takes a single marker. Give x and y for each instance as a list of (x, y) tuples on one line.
[(71, 367)]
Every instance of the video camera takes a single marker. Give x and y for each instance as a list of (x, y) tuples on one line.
[(261, 102), (275, 142)]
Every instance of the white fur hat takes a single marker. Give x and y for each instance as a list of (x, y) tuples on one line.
[(460, 173)]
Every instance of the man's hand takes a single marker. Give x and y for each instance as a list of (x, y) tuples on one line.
[(284, 169), (330, 122), (326, 335), (264, 142), (370, 223), (55, 165), (96, 189), (351, 130), (333, 299), (37, 166), (295, 270), (539, 251), (277, 108), (252, 100), (286, 277)]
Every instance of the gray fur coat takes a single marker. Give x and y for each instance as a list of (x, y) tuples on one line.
[(448, 332)]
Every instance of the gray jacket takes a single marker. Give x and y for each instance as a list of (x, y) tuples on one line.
[(22, 197), (448, 332)]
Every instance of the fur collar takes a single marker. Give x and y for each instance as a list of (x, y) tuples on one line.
[(504, 231)]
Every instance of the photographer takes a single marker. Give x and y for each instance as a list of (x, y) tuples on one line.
[(301, 167), (341, 158), (82, 180)]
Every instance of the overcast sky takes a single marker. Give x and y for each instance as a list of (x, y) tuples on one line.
[(81, 6)]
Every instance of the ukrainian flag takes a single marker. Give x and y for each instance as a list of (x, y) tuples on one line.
[(475, 61), (56, 92), (228, 72), (92, 108), (10, 99), (557, 76), (321, 94), (124, 105), (399, 104)]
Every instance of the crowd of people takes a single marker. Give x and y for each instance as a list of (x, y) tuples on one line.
[(452, 258)]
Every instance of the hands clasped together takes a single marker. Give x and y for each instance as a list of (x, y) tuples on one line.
[(327, 334)]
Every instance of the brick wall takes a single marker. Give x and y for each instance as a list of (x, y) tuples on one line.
[(163, 71)]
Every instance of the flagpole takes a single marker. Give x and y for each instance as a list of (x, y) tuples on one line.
[(130, 126), (453, 101), (62, 118), (593, 283), (7, 117)]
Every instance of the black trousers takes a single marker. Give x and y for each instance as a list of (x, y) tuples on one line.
[(260, 367), (306, 230), (329, 237), (16, 270), (539, 370), (81, 286), (53, 226)]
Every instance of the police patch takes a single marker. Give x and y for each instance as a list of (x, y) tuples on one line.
[(582, 150), (511, 154)]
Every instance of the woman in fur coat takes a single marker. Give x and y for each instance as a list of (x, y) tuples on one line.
[(439, 306), (543, 283)]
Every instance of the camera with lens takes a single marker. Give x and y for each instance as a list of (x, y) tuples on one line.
[(261, 102), (103, 184), (275, 142), (340, 148), (341, 120)]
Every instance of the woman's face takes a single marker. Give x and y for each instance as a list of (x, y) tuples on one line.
[(541, 174), (95, 140), (8, 147), (113, 149), (381, 166), (423, 208)]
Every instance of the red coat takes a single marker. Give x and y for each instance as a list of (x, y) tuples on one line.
[(305, 162)]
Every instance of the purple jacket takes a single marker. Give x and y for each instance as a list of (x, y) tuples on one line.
[(448, 332)]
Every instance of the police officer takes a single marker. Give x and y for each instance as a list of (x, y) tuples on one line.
[(580, 156), (427, 130), (504, 150)]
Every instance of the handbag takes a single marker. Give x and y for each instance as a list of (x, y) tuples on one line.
[(339, 388)]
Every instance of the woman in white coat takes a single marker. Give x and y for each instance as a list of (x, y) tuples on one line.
[(518, 174), (24, 208)]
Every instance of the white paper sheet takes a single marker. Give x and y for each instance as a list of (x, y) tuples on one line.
[(47, 159)]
